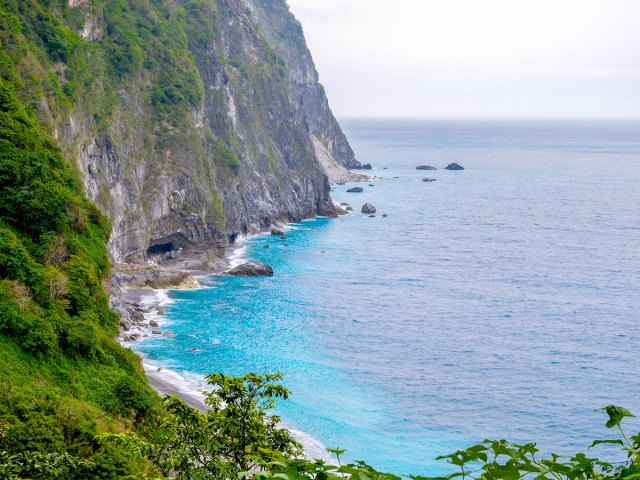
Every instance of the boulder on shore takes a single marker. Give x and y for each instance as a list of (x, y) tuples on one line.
[(425, 167), (251, 269), (356, 190), (454, 166), (368, 208)]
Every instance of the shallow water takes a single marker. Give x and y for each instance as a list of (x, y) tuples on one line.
[(499, 301)]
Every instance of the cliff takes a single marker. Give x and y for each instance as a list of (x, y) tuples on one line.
[(191, 121)]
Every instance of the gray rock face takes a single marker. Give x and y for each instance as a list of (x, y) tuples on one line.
[(251, 269), (454, 166), (425, 167), (368, 208), (284, 34), (243, 159)]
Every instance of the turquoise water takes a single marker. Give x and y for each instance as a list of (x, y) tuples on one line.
[(500, 301)]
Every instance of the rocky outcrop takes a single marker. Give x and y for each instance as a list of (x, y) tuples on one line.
[(251, 269), (368, 208), (284, 34), (454, 166)]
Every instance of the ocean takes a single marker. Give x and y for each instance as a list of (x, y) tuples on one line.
[(496, 302)]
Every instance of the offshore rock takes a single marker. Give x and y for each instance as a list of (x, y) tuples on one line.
[(454, 166), (428, 180), (251, 269), (355, 190), (425, 167), (277, 231), (368, 208)]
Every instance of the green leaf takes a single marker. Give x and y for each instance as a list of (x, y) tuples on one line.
[(616, 414), (600, 442)]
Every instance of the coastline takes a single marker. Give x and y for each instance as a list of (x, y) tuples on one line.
[(151, 303)]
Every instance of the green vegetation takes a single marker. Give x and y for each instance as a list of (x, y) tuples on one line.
[(63, 378), (236, 434)]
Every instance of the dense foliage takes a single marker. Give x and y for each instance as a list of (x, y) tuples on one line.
[(63, 378)]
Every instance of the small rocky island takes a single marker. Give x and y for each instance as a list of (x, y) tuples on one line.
[(454, 166), (368, 208), (425, 167)]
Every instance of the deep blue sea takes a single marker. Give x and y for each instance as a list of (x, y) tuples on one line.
[(501, 301)]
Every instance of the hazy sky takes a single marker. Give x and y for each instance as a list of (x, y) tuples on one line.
[(476, 58)]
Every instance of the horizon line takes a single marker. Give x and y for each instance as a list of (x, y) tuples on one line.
[(479, 118)]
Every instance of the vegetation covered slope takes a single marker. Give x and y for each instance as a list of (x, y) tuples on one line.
[(63, 378)]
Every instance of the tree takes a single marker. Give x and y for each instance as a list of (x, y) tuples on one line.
[(235, 434)]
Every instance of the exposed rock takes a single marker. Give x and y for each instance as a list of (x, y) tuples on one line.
[(138, 317), (366, 166), (349, 208), (428, 180), (371, 185), (283, 237), (154, 323), (341, 211), (251, 269), (454, 166), (355, 190), (425, 167), (368, 208), (156, 332), (384, 215), (125, 324), (266, 246), (277, 231), (372, 216), (162, 310)]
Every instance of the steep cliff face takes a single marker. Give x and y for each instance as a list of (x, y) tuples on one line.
[(191, 121), (284, 34)]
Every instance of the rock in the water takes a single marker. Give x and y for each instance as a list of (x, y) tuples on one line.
[(371, 185), (153, 323), (283, 237), (344, 204), (156, 332), (367, 166), (251, 269), (349, 208), (266, 246), (368, 208), (372, 216), (384, 168), (356, 190), (169, 333), (425, 167), (384, 215), (341, 211), (428, 180), (454, 166), (277, 231)]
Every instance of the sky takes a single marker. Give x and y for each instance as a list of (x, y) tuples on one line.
[(476, 58)]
